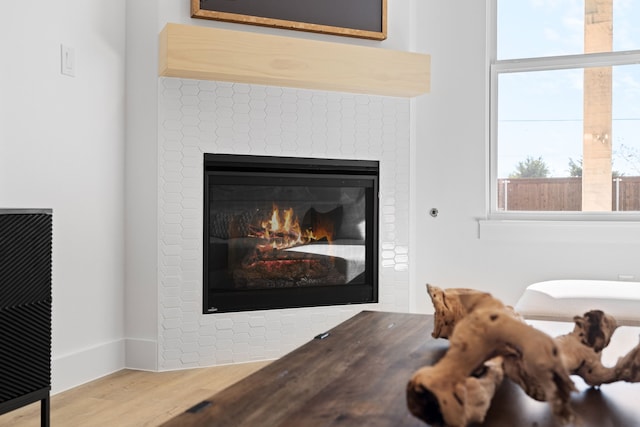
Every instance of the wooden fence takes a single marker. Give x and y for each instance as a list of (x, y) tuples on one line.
[(562, 194)]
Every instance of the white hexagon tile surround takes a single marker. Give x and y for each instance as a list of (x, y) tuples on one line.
[(197, 117)]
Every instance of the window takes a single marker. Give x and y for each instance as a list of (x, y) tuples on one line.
[(565, 106)]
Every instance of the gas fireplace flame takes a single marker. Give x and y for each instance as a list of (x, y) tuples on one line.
[(282, 230)]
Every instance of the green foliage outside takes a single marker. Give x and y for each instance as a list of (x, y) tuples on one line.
[(537, 168), (531, 168), (630, 155), (575, 169)]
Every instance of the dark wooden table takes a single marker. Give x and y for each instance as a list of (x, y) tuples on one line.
[(357, 375)]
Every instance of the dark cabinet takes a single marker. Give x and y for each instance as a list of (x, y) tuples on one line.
[(25, 309)]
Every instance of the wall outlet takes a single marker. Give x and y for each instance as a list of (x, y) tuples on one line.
[(626, 277), (67, 60)]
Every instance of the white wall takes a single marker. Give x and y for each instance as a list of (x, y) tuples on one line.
[(62, 147), (451, 175), (141, 291)]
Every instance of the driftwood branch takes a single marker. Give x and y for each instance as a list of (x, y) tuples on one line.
[(489, 341)]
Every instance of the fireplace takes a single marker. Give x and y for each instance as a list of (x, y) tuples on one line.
[(285, 232)]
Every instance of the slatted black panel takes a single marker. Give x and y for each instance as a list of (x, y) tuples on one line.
[(25, 258), (25, 361), (25, 308)]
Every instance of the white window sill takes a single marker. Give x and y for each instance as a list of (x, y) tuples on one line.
[(567, 230)]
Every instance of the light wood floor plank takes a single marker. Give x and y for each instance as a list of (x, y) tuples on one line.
[(131, 398)]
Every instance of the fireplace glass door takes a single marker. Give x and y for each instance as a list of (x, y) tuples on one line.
[(288, 232)]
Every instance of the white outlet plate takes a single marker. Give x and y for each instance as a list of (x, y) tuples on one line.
[(67, 60)]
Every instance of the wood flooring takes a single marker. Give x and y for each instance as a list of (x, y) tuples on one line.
[(131, 398)]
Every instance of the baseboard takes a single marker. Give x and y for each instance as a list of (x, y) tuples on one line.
[(77, 368), (141, 354)]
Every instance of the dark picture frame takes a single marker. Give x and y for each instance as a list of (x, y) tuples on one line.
[(351, 18)]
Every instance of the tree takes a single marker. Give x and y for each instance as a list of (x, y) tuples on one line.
[(575, 169), (531, 168), (631, 155)]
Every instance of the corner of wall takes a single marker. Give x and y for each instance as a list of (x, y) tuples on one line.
[(86, 365), (141, 354)]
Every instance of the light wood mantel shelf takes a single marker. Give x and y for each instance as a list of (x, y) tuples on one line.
[(205, 53)]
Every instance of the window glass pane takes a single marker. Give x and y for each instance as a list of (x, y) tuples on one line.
[(625, 137), (539, 116), (626, 31), (569, 140), (541, 28)]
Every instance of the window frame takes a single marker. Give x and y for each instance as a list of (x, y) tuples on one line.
[(527, 64)]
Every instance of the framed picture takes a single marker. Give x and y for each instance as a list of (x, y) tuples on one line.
[(352, 18)]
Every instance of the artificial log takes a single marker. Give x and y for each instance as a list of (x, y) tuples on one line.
[(287, 269), (489, 340)]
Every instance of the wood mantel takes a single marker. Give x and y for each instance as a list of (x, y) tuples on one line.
[(205, 53)]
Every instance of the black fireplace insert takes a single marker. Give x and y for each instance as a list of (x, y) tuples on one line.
[(285, 232)]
